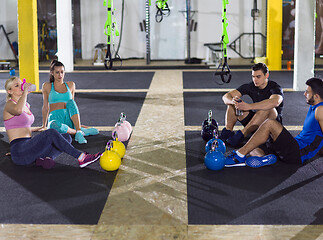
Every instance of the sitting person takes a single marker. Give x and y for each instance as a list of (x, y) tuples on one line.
[(267, 97), (43, 148), (59, 105), (289, 149)]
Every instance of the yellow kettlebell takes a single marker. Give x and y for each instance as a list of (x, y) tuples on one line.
[(110, 160), (118, 146)]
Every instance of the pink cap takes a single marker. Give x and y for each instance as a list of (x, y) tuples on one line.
[(22, 85)]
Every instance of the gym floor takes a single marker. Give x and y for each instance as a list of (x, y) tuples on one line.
[(148, 197)]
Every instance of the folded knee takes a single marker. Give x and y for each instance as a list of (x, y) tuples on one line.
[(269, 123), (67, 137), (72, 107), (270, 113), (58, 126)]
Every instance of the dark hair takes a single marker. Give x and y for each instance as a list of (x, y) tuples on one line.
[(260, 66), (54, 64), (317, 85)]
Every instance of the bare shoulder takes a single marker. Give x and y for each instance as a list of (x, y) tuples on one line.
[(71, 85), (8, 108), (46, 86), (9, 104)]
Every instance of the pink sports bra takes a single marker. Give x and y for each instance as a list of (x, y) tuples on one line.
[(23, 120)]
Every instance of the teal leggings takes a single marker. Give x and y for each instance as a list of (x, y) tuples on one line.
[(60, 119)]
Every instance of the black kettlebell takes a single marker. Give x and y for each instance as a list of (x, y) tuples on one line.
[(208, 127)]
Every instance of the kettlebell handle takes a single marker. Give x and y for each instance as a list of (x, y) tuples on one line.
[(115, 136), (215, 145), (209, 120), (109, 145), (119, 122), (216, 133), (123, 116)]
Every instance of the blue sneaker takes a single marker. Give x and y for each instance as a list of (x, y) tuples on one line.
[(225, 134), (256, 162), (233, 160), (80, 138), (89, 131), (236, 139)]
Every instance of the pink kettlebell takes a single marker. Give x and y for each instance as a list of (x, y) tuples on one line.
[(125, 122), (122, 131)]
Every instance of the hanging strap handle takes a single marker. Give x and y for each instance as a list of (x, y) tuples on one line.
[(110, 30), (225, 73)]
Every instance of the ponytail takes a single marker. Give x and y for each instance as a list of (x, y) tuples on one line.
[(53, 64)]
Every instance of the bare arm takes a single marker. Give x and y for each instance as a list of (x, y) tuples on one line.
[(45, 109), (71, 85), (274, 101), (319, 118), (228, 98), (17, 109)]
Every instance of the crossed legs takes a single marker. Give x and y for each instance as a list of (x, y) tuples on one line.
[(68, 121), (270, 128), (259, 117)]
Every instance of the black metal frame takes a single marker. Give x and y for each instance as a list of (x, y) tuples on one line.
[(147, 29), (233, 45), (11, 47)]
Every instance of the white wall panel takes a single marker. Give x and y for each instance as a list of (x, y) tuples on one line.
[(8, 18)]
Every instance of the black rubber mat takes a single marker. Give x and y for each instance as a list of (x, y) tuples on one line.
[(106, 80), (65, 194), (98, 80), (208, 80), (281, 194), (193, 80)]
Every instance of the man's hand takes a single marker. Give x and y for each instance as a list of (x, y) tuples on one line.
[(241, 105)]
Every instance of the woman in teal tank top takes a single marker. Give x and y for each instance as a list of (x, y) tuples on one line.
[(59, 110)]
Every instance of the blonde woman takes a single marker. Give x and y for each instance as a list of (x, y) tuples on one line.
[(43, 148)]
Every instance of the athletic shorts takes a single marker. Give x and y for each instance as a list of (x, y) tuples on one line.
[(250, 115), (285, 148)]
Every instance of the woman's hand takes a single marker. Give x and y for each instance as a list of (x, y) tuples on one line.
[(26, 87), (39, 129)]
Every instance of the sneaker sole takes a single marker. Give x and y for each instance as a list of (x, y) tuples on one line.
[(91, 133), (236, 165), (257, 163), (80, 142), (94, 160)]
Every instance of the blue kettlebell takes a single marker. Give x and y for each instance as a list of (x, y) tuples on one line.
[(208, 126), (220, 145), (214, 159)]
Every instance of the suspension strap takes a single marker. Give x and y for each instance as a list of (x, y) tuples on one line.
[(162, 10), (225, 72), (110, 30)]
